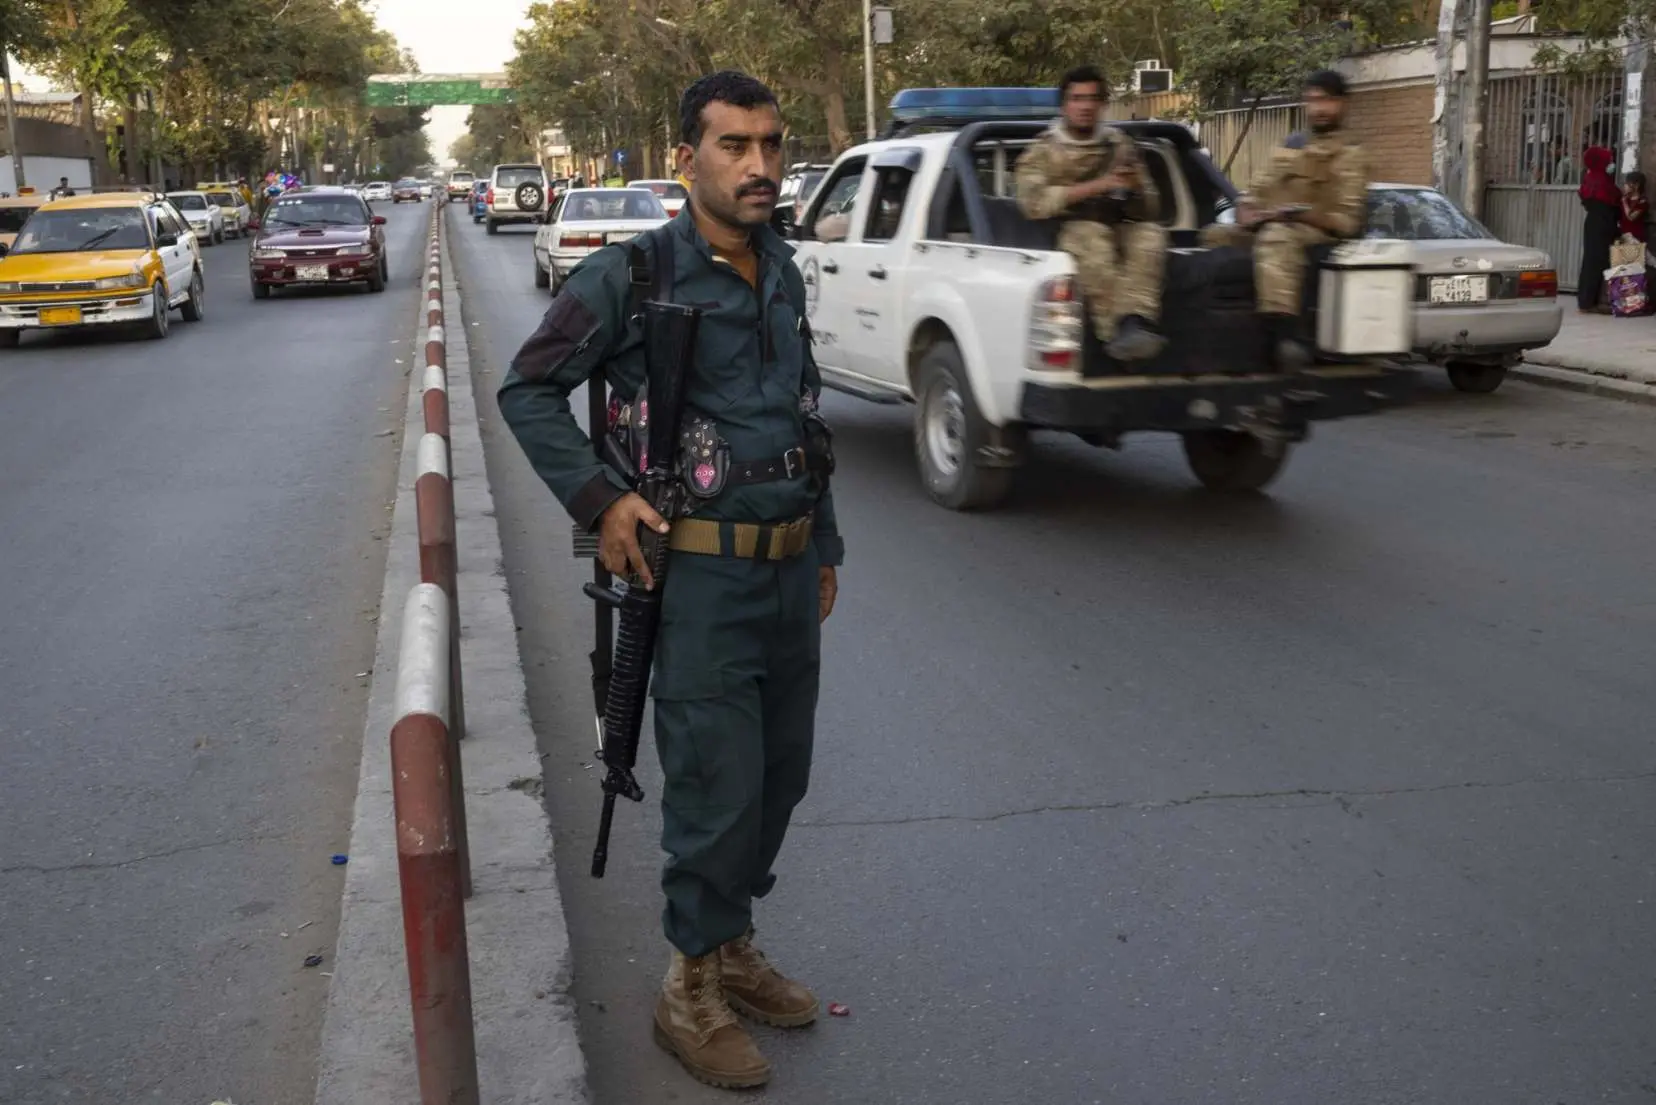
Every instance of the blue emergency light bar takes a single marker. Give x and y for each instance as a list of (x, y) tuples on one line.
[(915, 105)]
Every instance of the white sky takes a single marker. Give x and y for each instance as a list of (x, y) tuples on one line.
[(454, 36)]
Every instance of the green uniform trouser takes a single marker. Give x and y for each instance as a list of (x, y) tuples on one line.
[(735, 713)]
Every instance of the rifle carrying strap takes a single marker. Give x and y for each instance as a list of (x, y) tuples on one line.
[(650, 269)]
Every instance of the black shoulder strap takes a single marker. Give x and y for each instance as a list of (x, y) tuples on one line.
[(650, 269)]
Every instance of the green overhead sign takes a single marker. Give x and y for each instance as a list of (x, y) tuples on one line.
[(436, 89)]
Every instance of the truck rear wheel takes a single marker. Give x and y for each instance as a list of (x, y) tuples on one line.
[(1474, 378), (1229, 460), (948, 432)]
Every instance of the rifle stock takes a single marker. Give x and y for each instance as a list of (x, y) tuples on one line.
[(621, 666)]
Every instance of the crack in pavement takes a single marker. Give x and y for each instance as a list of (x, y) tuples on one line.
[(110, 865), (1340, 797)]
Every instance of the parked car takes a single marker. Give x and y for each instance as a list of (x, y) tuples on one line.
[(1479, 301), (377, 191), (232, 208), (204, 217), (459, 185), (478, 203), (326, 236), (108, 258), (517, 194), (14, 212), (406, 189), (587, 219), (671, 193)]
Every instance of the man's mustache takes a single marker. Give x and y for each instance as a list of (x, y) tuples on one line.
[(760, 185)]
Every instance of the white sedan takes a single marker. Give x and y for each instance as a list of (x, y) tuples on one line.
[(202, 215), (588, 219), (671, 193), (379, 190)]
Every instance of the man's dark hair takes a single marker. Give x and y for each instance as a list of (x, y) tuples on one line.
[(1328, 82), (1081, 74), (727, 86)]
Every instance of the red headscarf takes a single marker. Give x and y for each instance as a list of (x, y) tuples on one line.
[(1596, 185)]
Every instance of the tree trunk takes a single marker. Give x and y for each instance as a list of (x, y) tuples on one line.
[(833, 102), (1247, 124), (134, 146)]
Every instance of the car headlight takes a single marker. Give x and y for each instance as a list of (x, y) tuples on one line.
[(10, 288), (269, 254), (114, 283)]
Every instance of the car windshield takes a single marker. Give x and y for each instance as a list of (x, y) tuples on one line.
[(632, 203), (189, 203), (13, 218), (314, 210), (73, 230), (222, 199), (1418, 215), (460, 178), (511, 178), (408, 184), (668, 190)]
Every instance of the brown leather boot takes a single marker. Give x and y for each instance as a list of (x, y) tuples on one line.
[(693, 1022), (756, 989)]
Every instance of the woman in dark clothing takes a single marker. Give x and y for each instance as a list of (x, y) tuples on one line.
[(1602, 201)]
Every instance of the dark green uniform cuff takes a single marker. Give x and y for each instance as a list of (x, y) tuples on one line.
[(595, 496), (830, 548)]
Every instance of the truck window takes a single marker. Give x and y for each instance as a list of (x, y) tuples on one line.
[(885, 214), (831, 221)]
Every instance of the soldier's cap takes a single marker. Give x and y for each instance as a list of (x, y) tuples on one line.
[(1328, 82)]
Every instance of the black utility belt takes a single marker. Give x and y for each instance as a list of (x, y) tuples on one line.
[(790, 465)]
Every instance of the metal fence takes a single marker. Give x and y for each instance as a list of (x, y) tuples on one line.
[(1538, 126)]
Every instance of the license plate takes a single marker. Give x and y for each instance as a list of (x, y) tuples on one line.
[(311, 272), (60, 316), (1458, 289), (622, 236)]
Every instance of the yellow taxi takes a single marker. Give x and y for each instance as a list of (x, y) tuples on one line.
[(104, 259), (14, 212)]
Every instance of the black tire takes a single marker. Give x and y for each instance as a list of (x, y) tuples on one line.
[(261, 291), (529, 196), (376, 280), (494, 227), (1475, 379), (543, 279), (1229, 460), (195, 307), (156, 328), (948, 432)]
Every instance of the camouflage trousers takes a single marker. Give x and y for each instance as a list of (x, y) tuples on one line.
[(1280, 261), (1119, 269)]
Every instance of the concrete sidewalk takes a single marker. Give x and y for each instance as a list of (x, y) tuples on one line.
[(1598, 353)]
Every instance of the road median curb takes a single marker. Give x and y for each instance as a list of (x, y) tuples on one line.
[(528, 1052)]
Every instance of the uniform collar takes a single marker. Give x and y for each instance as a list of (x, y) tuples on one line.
[(1060, 130), (767, 243)]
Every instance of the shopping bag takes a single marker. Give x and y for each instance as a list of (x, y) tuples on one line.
[(1628, 293), (1628, 251)]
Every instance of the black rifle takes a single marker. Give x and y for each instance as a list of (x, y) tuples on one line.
[(621, 670)]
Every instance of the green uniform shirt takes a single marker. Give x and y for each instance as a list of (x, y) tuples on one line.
[(754, 375)]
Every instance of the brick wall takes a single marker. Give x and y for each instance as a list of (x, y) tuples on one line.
[(1394, 126)]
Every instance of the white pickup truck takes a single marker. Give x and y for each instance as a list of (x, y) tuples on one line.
[(935, 290)]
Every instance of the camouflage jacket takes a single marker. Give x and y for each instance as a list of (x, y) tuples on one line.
[(1326, 172), (1057, 161)]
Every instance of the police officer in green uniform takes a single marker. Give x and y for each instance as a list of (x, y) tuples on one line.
[(752, 571)]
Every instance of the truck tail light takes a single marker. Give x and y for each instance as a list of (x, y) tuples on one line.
[(488, 197), (1540, 284), (1055, 328)]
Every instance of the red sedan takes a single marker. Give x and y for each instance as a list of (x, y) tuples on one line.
[(326, 236)]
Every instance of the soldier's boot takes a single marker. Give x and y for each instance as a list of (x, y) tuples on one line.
[(759, 991), (693, 1022), (1288, 353), (1135, 340)]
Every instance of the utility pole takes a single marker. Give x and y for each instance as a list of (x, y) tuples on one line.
[(11, 124), (868, 66), (1476, 107), (1445, 103)]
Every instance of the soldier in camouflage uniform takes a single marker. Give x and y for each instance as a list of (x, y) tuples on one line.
[(753, 570), (1313, 191), (1086, 173)]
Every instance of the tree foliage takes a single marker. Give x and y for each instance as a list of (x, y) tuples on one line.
[(227, 85), (610, 71)]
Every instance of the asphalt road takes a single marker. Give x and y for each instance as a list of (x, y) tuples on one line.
[(193, 544), (1133, 794)]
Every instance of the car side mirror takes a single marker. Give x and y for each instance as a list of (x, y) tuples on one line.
[(379, 220), (166, 238)]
